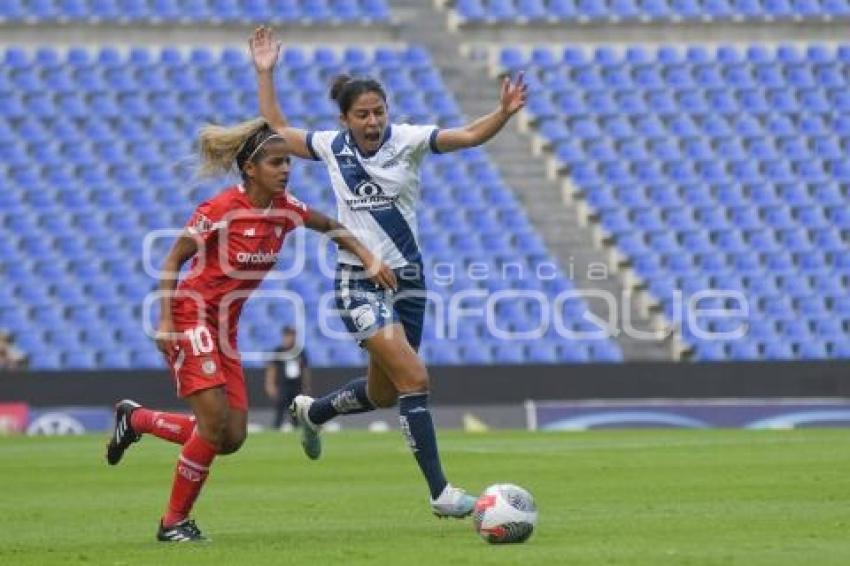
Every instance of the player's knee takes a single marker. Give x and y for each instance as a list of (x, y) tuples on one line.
[(213, 429), (414, 378), (384, 400), (235, 434), (232, 444)]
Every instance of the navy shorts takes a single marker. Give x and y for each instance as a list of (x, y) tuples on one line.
[(365, 307)]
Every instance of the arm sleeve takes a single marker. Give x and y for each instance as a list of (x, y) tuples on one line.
[(319, 144), (302, 212), (421, 139), (432, 140), (206, 221)]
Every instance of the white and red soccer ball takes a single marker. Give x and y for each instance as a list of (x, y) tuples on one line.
[(505, 513)]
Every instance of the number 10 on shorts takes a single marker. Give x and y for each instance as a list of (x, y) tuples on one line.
[(200, 339)]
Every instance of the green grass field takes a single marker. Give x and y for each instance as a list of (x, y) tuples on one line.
[(626, 498)]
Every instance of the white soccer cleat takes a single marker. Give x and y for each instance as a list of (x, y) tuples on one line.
[(453, 502), (310, 440)]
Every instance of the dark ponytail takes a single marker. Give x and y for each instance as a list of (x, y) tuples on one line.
[(346, 89), (337, 85)]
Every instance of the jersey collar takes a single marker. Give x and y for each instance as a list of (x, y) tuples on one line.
[(241, 188), (350, 139)]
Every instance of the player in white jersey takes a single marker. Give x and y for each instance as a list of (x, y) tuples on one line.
[(374, 170)]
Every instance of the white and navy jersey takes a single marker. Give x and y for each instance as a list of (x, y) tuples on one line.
[(377, 194)]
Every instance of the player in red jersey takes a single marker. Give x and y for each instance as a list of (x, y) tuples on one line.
[(234, 238)]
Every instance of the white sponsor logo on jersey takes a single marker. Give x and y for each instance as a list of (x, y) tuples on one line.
[(394, 158), (259, 257), (368, 189), (369, 196)]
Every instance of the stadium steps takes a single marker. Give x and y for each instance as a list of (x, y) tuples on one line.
[(570, 244)]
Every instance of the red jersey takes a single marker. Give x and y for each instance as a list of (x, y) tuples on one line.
[(238, 245)]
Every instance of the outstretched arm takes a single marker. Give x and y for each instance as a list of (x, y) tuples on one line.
[(378, 271), (264, 52), (479, 131)]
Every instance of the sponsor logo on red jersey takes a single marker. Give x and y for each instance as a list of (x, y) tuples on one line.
[(257, 257)]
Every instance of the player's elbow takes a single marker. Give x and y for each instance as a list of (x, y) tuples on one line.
[(477, 139), (278, 124)]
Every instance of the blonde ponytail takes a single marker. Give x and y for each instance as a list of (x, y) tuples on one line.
[(219, 145)]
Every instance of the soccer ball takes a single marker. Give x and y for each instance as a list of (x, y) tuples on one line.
[(505, 513)]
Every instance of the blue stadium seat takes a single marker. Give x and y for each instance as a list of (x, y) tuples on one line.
[(507, 353), (573, 352), (442, 353), (778, 351), (841, 349), (710, 352), (532, 9), (78, 359), (543, 353), (605, 351), (742, 350)]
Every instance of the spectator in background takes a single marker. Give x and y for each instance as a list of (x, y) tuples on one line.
[(11, 357), (287, 376)]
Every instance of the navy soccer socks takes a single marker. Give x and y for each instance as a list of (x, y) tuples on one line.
[(349, 399), (418, 429)]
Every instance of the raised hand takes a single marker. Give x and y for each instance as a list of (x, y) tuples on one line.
[(264, 49), (514, 95)]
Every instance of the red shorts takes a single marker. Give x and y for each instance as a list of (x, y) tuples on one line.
[(198, 362)]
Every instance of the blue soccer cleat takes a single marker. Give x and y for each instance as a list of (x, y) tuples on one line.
[(453, 502), (310, 440)]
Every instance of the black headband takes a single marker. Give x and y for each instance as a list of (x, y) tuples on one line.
[(243, 155)]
